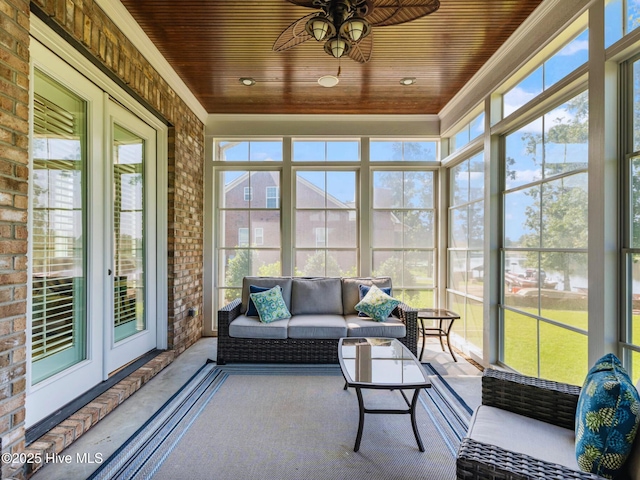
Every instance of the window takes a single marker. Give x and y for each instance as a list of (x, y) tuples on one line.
[(237, 256), (325, 231), (273, 197), (258, 236), (468, 132), (631, 245), (621, 18), (326, 151), (466, 248), (403, 151), (326, 234), (243, 237), (403, 233), (248, 151), (545, 198), (566, 60), (248, 194)]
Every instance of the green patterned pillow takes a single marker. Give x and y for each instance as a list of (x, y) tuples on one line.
[(607, 418), (377, 304), (270, 305)]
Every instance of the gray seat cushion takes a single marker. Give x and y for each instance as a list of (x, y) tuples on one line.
[(317, 326), (251, 327), (316, 296), (520, 434), (366, 327), (270, 282), (351, 293)]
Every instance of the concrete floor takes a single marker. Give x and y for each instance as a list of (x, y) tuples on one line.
[(110, 433)]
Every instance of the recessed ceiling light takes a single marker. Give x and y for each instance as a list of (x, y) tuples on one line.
[(328, 81), (247, 82), (408, 81)]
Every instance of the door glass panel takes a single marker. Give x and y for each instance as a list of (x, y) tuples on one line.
[(128, 233), (58, 234)]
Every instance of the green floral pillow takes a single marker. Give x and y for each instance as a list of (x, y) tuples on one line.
[(377, 304), (607, 418), (270, 305)]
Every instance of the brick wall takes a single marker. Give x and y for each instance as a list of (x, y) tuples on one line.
[(87, 23), (14, 173)]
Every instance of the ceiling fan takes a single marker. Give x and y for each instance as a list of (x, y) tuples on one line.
[(346, 25)]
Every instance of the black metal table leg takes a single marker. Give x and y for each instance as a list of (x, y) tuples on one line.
[(361, 421), (424, 337), (414, 422)]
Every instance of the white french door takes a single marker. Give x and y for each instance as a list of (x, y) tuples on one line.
[(130, 245), (93, 236)]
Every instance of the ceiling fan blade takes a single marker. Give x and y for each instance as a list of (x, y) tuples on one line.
[(293, 35), (394, 12), (361, 51)]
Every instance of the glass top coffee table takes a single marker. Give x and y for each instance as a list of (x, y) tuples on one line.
[(383, 364)]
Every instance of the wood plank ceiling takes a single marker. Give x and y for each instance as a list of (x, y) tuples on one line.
[(213, 43)]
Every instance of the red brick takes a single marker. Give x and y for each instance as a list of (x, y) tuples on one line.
[(13, 215), (9, 247)]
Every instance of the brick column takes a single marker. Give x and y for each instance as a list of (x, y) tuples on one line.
[(14, 175)]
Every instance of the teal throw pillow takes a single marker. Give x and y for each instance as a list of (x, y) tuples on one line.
[(377, 304), (607, 418), (270, 305)]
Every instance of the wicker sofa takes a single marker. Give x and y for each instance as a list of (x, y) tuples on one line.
[(524, 429), (322, 312)]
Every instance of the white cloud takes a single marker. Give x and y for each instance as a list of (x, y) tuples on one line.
[(573, 48)]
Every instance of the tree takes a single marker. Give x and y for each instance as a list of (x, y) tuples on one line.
[(557, 217), (238, 267), (321, 264)]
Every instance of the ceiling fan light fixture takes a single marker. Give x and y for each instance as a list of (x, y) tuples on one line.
[(355, 29), (328, 81), (337, 46), (319, 27), (247, 82), (406, 81)]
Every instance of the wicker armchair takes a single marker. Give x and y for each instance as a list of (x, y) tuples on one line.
[(550, 402)]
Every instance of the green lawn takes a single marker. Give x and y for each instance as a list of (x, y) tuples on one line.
[(563, 353)]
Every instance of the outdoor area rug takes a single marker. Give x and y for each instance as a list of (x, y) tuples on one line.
[(290, 422)]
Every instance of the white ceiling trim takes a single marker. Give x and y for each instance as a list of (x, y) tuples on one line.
[(125, 22)]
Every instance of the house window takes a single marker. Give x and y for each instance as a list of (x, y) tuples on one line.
[(465, 254), (631, 241), (248, 194), (544, 316), (326, 150), (243, 237), (258, 236), (574, 54), (470, 131), (248, 151), (273, 197), (237, 256), (621, 18), (325, 228), (403, 151), (403, 233)]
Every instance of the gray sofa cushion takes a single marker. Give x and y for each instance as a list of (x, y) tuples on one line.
[(521, 434), (351, 293), (366, 327), (251, 327), (316, 296), (284, 282), (317, 326)]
